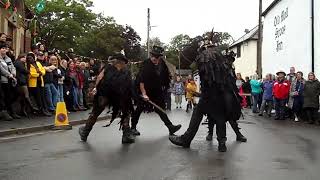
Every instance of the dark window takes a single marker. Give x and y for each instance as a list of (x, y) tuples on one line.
[(238, 51)]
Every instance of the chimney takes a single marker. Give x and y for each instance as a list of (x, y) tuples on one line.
[(246, 31)]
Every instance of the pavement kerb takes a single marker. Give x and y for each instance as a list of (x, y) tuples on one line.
[(33, 129)]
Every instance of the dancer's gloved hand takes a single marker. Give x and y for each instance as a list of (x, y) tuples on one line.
[(94, 91), (145, 97)]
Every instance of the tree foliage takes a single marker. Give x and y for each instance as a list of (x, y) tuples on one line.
[(155, 41), (62, 21), (132, 46), (175, 48), (186, 48), (71, 24), (179, 42)]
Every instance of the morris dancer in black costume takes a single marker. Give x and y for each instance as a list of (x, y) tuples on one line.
[(219, 97), (153, 82), (233, 122), (113, 87)]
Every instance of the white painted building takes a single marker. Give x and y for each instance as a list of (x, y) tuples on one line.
[(317, 36), (289, 36), (246, 50)]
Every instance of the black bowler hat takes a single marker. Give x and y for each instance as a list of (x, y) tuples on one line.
[(120, 57), (157, 51)]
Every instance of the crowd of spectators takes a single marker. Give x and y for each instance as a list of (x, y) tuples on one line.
[(184, 88), (38, 80), (289, 95)]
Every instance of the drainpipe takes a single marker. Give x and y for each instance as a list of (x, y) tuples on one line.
[(312, 35), (259, 45)]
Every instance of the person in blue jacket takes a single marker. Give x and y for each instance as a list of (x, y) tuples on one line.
[(267, 99)]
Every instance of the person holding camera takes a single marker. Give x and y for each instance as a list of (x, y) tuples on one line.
[(8, 80)]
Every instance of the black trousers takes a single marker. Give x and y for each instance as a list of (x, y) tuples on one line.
[(234, 125), (311, 114), (141, 107), (68, 97), (36, 93), (2, 103), (168, 100), (85, 93), (9, 96), (195, 121), (99, 104), (280, 105), (43, 99), (248, 99)]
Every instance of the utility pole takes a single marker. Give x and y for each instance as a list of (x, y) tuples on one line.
[(148, 34), (259, 46), (179, 64)]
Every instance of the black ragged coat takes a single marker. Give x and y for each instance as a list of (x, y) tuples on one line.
[(117, 87), (156, 84), (219, 94)]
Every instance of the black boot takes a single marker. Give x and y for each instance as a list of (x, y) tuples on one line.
[(241, 138), (236, 129), (311, 122), (209, 137), (135, 132), (173, 128), (15, 116), (210, 127), (46, 113), (189, 106), (24, 113), (178, 140), (4, 115), (222, 146), (127, 137), (32, 107), (84, 133)]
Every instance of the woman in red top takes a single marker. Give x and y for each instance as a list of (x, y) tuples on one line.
[(74, 76), (80, 87)]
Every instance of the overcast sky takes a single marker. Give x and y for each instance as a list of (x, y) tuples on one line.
[(192, 17)]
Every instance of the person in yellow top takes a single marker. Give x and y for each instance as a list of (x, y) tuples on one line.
[(191, 89), (37, 72), (35, 82)]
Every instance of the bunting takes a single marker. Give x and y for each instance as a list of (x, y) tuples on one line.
[(40, 6), (7, 4)]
